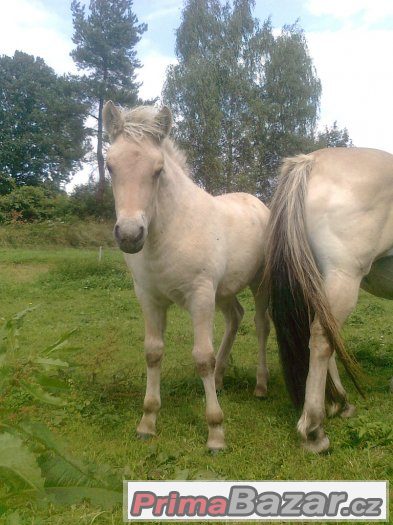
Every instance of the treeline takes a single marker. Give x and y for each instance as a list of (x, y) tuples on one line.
[(243, 96)]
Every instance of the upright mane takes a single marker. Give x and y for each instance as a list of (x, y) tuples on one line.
[(141, 121)]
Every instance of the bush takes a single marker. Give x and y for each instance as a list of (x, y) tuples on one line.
[(40, 203), (33, 203), (84, 204)]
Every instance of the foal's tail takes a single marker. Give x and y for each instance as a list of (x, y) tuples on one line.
[(296, 286)]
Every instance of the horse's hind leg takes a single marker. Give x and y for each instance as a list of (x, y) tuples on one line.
[(155, 320), (262, 326), (233, 313), (342, 291), (201, 308), (341, 405)]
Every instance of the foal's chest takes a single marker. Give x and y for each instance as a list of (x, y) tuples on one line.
[(161, 277)]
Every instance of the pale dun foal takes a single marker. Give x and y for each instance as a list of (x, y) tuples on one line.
[(183, 246)]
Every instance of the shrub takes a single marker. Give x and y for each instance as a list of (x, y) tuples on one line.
[(41, 203), (33, 203), (84, 204)]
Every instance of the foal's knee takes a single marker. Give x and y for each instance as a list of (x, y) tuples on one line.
[(154, 349), (204, 361)]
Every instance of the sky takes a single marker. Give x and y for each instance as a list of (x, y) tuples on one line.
[(350, 42)]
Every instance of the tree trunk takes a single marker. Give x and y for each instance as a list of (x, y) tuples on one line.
[(100, 156)]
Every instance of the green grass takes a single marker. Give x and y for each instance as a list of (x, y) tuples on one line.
[(74, 290)]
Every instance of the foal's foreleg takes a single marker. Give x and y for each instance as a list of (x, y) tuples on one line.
[(202, 307), (233, 313), (155, 320), (262, 326), (342, 291)]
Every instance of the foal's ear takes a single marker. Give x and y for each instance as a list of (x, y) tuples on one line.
[(164, 121), (113, 120)]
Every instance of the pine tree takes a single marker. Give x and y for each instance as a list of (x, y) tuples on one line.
[(105, 40)]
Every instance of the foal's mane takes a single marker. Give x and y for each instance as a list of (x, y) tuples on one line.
[(141, 121)]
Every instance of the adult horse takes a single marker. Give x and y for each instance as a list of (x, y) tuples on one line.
[(183, 246), (330, 232)]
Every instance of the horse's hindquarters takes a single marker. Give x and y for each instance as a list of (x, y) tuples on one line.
[(379, 280)]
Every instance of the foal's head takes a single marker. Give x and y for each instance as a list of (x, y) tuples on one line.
[(135, 161)]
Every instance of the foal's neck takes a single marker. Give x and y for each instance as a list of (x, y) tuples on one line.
[(177, 194), (177, 189)]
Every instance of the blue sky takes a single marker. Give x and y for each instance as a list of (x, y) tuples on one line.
[(350, 42)]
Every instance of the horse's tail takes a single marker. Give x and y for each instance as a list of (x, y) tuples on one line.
[(296, 286)]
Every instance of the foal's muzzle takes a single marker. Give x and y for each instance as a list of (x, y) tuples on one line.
[(130, 234)]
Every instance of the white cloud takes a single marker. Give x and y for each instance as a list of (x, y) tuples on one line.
[(26, 25), (152, 74), (369, 10), (161, 13), (356, 71)]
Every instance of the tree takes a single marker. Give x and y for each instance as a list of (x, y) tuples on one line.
[(240, 95), (292, 93), (334, 137), (192, 89), (42, 133), (105, 40)]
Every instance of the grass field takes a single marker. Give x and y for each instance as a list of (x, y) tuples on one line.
[(73, 290)]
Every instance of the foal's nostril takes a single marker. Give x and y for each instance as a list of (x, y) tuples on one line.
[(140, 235)]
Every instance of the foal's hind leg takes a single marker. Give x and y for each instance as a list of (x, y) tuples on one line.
[(233, 313), (262, 326), (342, 291), (155, 320)]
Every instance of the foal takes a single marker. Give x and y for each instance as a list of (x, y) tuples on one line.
[(183, 246)]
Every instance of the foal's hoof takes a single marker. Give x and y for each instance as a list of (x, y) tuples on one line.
[(260, 392), (215, 451), (216, 440), (143, 436), (349, 411)]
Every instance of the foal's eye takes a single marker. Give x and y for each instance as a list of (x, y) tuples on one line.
[(109, 168), (158, 173)]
